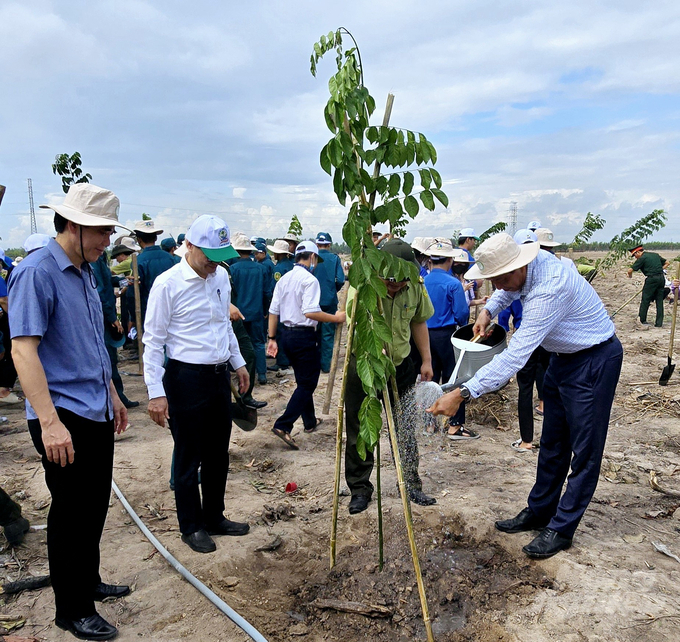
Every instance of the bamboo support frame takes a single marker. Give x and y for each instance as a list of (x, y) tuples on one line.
[(138, 313), (378, 485), (336, 353)]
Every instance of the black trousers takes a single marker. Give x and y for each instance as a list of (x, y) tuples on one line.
[(245, 345), (652, 291), (578, 395), (8, 373), (199, 403), (115, 375), (301, 346), (533, 371), (443, 363), (357, 470), (80, 500), (10, 511)]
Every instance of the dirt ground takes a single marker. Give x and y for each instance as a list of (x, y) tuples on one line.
[(612, 585)]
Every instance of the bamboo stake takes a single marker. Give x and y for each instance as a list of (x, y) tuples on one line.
[(338, 432), (381, 539), (342, 299), (138, 313)]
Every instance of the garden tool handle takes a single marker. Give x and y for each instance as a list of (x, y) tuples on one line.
[(675, 315), (479, 337)]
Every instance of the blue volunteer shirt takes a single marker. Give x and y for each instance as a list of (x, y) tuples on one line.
[(51, 299), (331, 278), (448, 298)]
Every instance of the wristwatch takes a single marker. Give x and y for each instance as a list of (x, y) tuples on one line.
[(272, 338), (464, 392)]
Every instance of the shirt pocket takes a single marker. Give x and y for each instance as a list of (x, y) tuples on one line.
[(407, 312)]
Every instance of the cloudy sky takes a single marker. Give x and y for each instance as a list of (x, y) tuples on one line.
[(205, 107)]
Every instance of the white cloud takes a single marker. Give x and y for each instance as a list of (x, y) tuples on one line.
[(238, 192)]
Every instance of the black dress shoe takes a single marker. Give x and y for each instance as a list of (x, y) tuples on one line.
[(130, 404), (113, 591), (420, 498), (15, 531), (200, 542), (546, 544), (227, 527), (252, 403), (525, 521), (94, 627), (358, 504)]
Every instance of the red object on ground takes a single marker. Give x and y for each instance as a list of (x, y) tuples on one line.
[(291, 487)]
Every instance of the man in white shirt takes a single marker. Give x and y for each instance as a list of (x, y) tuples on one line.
[(188, 315), (296, 302)]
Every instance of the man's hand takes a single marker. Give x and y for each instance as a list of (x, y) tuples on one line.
[(118, 326), (340, 317), (120, 416), (482, 323), (630, 273), (272, 348), (243, 379), (235, 313), (57, 441), (447, 405), (158, 410), (426, 372)]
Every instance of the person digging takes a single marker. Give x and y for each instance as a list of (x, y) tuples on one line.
[(652, 266)]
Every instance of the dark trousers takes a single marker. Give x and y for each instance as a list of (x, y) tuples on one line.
[(8, 374), (532, 372), (327, 338), (357, 470), (80, 500), (653, 291), (255, 330), (245, 345), (302, 349), (578, 394), (199, 403), (115, 375), (10, 511), (444, 362), (281, 358)]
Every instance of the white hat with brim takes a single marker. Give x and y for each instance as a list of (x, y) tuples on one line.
[(147, 227), (498, 255), (88, 205), (242, 243), (421, 243), (280, 247), (211, 235), (546, 238), (308, 246), (289, 237), (460, 256), (440, 248)]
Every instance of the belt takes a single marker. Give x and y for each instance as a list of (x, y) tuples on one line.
[(579, 353), (299, 328), (210, 368)]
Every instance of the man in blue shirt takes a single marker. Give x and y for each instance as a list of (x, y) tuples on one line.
[(562, 313), (331, 279), (467, 239), (252, 295), (169, 245), (72, 406)]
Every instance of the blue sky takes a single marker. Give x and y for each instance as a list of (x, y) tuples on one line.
[(183, 109)]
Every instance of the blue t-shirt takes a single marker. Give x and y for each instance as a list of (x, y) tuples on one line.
[(51, 299), (448, 298), (3, 287), (331, 278)]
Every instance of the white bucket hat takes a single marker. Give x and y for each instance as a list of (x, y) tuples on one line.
[(421, 243), (280, 247), (128, 242), (289, 237), (498, 255), (241, 243), (147, 227), (88, 205), (546, 238), (460, 256), (440, 248), (211, 234)]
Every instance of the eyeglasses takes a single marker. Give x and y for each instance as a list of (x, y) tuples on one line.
[(391, 279)]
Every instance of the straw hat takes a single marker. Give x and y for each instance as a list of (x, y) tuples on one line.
[(500, 254), (545, 237), (280, 247), (242, 243), (88, 205)]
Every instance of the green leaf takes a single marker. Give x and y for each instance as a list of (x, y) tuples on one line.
[(407, 187), (393, 185), (378, 285), (433, 152), (424, 148), (436, 177), (382, 330), (365, 371), (427, 199), (425, 178), (441, 197), (411, 206), (338, 185), (370, 421), (367, 181), (372, 134), (325, 160), (368, 299), (335, 153)]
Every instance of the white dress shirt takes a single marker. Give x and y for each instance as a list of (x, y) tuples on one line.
[(296, 293), (189, 317)]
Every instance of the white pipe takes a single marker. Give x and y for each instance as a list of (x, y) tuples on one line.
[(220, 604)]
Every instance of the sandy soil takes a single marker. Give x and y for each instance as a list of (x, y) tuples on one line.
[(611, 585)]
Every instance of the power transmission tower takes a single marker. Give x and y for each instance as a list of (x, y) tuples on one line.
[(512, 218), (34, 226)]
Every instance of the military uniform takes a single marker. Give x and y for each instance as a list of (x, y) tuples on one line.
[(331, 278), (651, 265), (151, 262)]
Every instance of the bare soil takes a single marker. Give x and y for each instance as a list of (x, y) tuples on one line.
[(612, 585)]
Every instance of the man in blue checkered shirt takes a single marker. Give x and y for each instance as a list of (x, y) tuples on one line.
[(562, 313)]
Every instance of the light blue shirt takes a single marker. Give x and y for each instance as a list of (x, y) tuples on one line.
[(561, 312), (51, 299)]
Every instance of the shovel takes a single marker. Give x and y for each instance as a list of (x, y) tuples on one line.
[(668, 369), (613, 314), (243, 416)]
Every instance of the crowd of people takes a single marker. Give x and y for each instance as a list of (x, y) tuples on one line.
[(212, 304)]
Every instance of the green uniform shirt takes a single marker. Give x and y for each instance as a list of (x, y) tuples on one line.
[(650, 264), (410, 305)]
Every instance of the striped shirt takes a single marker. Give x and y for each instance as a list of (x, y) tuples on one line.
[(561, 312)]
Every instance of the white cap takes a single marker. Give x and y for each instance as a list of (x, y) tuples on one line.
[(211, 234), (534, 225), (468, 232), (525, 236), (308, 246), (35, 242)]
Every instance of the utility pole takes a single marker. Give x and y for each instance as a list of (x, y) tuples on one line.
[(34, 226), (512, 218)]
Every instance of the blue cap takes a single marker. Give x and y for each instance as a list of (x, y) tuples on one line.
[(180, 238), (323, 237), (261, 246), (257, 239), (168, 244)]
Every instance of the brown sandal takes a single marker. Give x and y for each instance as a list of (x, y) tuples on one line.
[(284, 436), (315, 426)]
